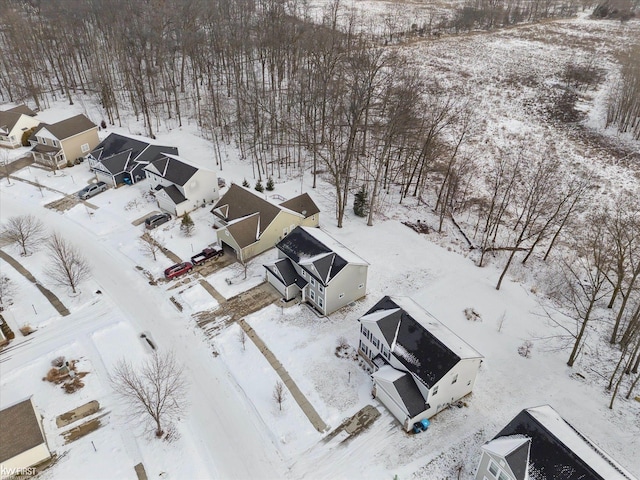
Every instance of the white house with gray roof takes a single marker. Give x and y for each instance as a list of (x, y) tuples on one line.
[(538, 444), (180, 186), (419, 365), (315, 266)]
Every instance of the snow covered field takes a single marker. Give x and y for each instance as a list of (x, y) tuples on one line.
[(232, 428)]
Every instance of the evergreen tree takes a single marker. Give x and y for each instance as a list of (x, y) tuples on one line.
[(187, 225), (360, 203), (259, 186), (245, 183), (270, 184)]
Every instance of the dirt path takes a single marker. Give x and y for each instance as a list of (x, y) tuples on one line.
[(53, 299)]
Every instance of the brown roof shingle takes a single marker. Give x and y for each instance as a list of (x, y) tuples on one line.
[(69, 127), (302, 204), (239, 202), (19, 430)]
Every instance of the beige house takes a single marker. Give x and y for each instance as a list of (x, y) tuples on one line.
[(13, 123), (250, 224), (22, 441), (60, 143)]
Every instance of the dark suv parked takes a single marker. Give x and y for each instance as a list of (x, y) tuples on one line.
[(156, 220)]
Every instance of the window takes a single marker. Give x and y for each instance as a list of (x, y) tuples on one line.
[(312, 295), (341, 295), (304, 274), (320, 288), (503, 476), (55, 143), (361, 285), (313, 281), (493, 468), (435, 390), (84, 147), (455, 379), (320, 302)]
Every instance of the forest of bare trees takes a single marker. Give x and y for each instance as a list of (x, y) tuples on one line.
[(298, 96)]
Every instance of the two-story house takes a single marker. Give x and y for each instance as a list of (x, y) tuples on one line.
[(58, 144), (121, 159), (179, 185), (249, 223), (419, 365), (538, 444), (315, 266), (13, 123)]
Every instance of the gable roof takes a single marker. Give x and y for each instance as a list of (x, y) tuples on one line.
[(19, 430), (423, 345), (238, 202), (318, 253), (22, 110), (559, 451), (69, 127), (119, 153), (405, 387), (246, 231), (173, 168), (8, 120), (302, 204), (515, 450), (284, 271), (174, 194)]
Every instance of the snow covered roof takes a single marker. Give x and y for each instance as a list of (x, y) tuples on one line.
[(117, 152), (318, 253), (173, 168), (515, 450), (559, 451), (421, 343)]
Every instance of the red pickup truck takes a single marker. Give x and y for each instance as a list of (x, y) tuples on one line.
[(215, 251), (177, 270)]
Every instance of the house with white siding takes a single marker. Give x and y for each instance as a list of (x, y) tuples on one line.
[(419, 366), (320, 270), (22, 441), (538, 444), (179, 185)]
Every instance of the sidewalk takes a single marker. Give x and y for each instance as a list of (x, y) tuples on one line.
[(298, 396), (53, 299)]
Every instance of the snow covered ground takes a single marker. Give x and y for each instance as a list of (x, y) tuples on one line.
[(232, 428)]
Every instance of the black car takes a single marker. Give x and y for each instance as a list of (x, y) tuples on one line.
[(156, 220)]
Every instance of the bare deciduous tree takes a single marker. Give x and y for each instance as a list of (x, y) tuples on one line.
[(149, 245), (156, 391), (25, 230), (242, 338), (68, 267), (279, 393)]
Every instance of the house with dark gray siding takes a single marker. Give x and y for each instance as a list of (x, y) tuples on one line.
[(120, 159)]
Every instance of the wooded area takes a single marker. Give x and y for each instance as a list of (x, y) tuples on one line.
[(298, 94)]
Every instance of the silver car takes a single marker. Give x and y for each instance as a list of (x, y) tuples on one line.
[(91, 190)]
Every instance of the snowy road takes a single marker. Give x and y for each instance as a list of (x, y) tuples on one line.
[(230, 436)]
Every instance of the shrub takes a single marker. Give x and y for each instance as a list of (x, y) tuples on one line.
[(525, 349), (360, 202), (270, 184), (245, 183), (26, 135)]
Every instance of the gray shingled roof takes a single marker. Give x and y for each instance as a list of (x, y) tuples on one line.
[(173, 169), (119, 153), (23, 110), (8, 120), (19, 430), (69, 127), (175, 195), (410, 395)]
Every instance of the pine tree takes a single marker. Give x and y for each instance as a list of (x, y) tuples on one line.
[(245, 183), (270, 184), (259, 186), (360, 203), (187, 225)]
